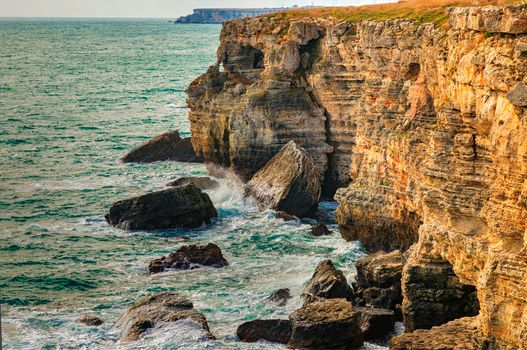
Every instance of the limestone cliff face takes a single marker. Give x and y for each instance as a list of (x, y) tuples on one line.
[(422, 130)]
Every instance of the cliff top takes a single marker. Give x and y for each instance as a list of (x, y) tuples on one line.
[(429, 11)]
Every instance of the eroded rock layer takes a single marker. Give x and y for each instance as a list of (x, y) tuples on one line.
[(422, 128)]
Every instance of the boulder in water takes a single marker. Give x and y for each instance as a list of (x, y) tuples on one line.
[(158, 308), (178, 207), (326, 324), (167, 146), (89, 320), (280, 297), (320, 229), (201, 182), (274, 331), (327, 283), (288, 182), (190, 257)]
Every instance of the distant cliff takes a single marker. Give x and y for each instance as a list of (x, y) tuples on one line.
[(220, 15)]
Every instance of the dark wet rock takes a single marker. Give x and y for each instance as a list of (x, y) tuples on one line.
[(327, 324), (184, 207), (201, 182), (327, 282), (190, 257), (284, 216), (288, 182), (320, 229), (275, 331), (324, 217), (89, 320), (378, 282), (167, 146), (280, 297), (376, 323), (163, 307)]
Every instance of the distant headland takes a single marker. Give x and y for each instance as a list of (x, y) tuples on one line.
[(220, 15)]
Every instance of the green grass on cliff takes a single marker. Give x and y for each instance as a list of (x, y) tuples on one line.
[(421, 11)]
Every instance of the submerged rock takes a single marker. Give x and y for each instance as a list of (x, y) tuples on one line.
[(190, 257), (167, 146), (327, 282), (378, 282), (178, 207), (288, 182), (89, 320), (280, 297), (158, 308), (201, 182), (275, 331), (328, 324), (284, 216), (320, 229), (376, 323)]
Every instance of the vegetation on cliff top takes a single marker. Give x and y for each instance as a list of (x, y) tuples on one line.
[(429, 11)]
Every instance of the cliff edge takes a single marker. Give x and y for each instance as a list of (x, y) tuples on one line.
[(419, 128)]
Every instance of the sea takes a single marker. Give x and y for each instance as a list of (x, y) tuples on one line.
[(75, 96)]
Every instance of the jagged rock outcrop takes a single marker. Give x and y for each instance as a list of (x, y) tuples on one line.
[(156, 309), (288, 182), (326, 324), (167, 146), (422, 128), (378, 281), (274, 331), (254, 117), (327, 283), (178, 207), (190, 257)]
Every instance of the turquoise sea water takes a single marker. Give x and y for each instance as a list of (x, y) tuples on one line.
[(75, 95)]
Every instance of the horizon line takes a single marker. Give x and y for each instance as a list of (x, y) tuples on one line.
[(79, 17)]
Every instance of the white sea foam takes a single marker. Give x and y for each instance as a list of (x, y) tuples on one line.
[(177, 106)]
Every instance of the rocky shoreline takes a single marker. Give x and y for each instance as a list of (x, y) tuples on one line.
[(416, 130)]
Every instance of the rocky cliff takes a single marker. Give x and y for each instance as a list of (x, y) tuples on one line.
[(420, 129)]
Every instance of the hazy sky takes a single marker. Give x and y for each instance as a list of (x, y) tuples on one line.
[(142, 8)]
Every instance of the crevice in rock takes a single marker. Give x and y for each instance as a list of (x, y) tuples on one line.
[(258, 60), (474, 147), (413, 71)]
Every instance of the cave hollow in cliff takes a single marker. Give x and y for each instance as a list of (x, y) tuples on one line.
[(434, 295)]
